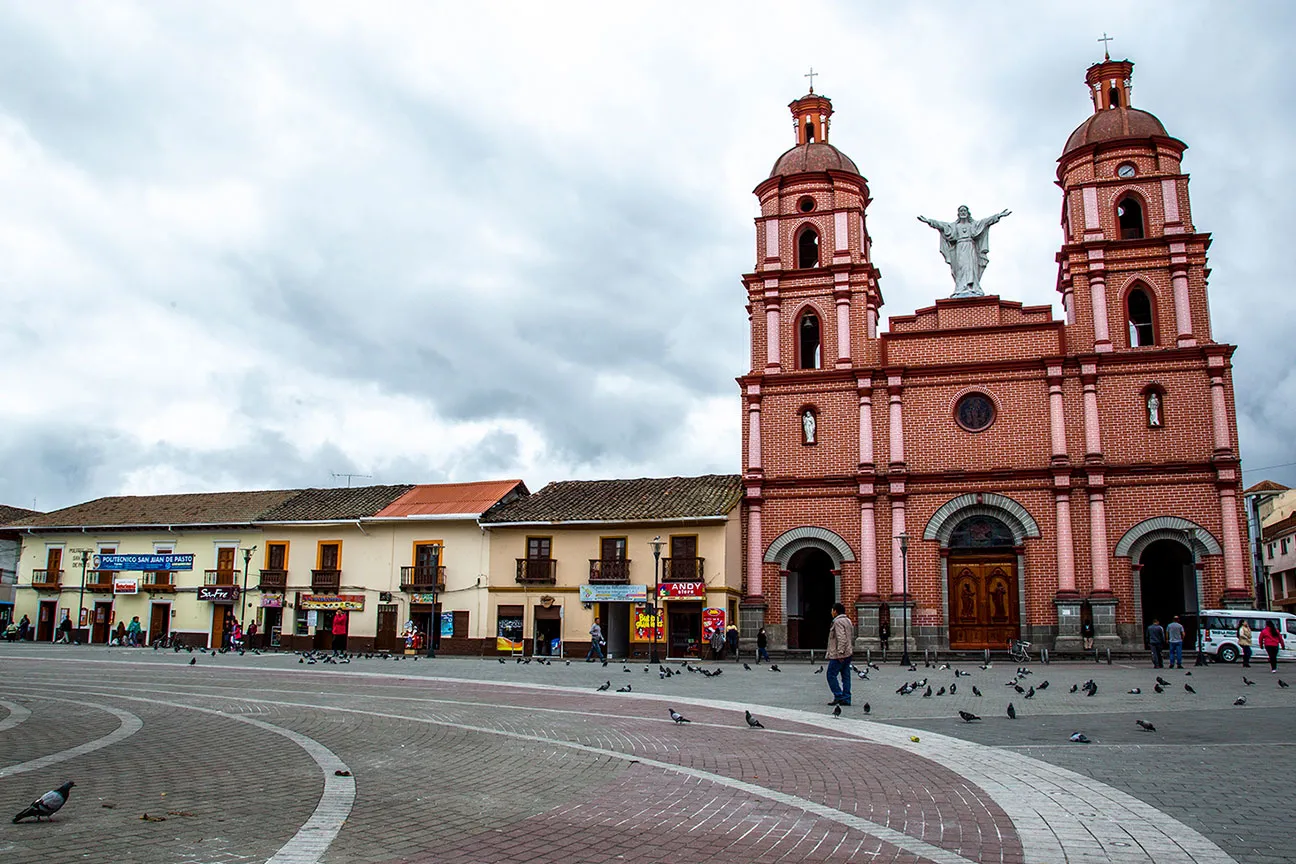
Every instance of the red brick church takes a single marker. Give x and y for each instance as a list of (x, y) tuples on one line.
[(1031, 473)]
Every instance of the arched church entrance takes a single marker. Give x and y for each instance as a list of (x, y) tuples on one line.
[(811, 591), (1168, 586), (983, 590)]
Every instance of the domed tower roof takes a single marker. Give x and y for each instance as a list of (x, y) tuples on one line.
[(812, 153), (1113, 118)]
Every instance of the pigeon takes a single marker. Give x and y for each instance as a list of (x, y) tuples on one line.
[(1187, 673), (861, 674), (1145, 726), (1241, 700), (774, 668), (1093, 689), (1030, 694), (1012, 712), (1134, 691), (837, 710), (1189, 688), (1043, 685), (645, 669), (753, 722), (193, 661), (968, 716), (867, 707), (913, 668), (1247, 681), (942, 667), (48, 804), (959, 673), (1075, 687), (501, 660), (820, 669), (606, 685), (940, 692), (927, 693), (1162, 681), (953, 689), (1078, 738), (1020, 689), (1158, 688), (678, 717), (1283, 684), (745, 666), (625, 689), (875, 667), (975, 690)]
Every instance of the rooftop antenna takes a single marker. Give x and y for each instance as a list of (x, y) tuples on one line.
[(348, 477)]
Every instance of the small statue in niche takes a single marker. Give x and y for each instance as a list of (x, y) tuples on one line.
[(1154, 409), (808, 425)]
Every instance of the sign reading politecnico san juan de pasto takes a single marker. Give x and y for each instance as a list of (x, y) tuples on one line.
[(165, 562)]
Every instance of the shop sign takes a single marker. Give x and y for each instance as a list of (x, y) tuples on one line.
[(643, 618), (422, 597), (161, 561), (336, 602), (272, 601), (219, 593), (613, 593), (126, 586), (681, 590), (713, 618), (447, 624)]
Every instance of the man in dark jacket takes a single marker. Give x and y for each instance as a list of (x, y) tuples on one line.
[(1156, 638)]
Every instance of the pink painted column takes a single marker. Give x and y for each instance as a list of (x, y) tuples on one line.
[(755, 554), (872, 318), (1093, 434), (864, 387), (843, 329), (1098, 297), (753, 428), (1219, 413), (1235, 580), (1065, 547), (868, 546), (1057, 418), (1098, 539), (896, 420), (897, 560), (773, 362), (1182, 304)]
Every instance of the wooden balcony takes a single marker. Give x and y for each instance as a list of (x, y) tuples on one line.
[(682, 569), (159, 581), (273, 580), (219, 577), (326, 581), (537, 571), (423, 578), (47, 580), (100, 580), (609, 571)]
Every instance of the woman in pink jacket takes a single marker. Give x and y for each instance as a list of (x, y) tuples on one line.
[(1271, 640)]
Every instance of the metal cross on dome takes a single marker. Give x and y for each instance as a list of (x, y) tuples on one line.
[(811, 75), (1105, 40)]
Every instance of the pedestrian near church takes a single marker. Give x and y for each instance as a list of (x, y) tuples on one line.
[(65, 631), (1087, 633), (1156, 641), (24, 629), (340, 632), (1271, 640), (1244, 643), (841, 644), (1175, 636), (762, 646), (596, 642), (731, 641), (133, 632)]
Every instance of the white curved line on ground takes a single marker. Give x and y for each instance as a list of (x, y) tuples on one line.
[(128, 725), (17, 714), (313, 838)]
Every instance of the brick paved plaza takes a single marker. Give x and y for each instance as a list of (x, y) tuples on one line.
[(467, 760)]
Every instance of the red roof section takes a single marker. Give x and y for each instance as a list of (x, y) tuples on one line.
[(444, 499), (1266, 486)]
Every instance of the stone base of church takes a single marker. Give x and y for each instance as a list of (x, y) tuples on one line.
[(1106, 633), (1067, 638), (1237, 601), (751, 618), (867, 630)]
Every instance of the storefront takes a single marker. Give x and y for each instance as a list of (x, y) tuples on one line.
[(425, 615), (614, 605), (315, 616), (547, 634), (271, 625), (223, 599), (683, 602)]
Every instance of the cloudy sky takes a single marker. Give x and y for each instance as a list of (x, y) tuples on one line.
[(249, 245)]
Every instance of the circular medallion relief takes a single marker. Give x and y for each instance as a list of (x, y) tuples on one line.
[(975, 412)]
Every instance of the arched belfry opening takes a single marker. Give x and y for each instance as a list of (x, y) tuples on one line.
[(1138, 306), (1114, 97), (809, 342), (1130, 216), (809, 131), (808, 248)]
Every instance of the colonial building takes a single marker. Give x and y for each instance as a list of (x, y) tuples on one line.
[(10, 547), (1019, 474), (612, 549)]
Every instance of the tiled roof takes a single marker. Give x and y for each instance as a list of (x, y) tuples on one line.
[(445, 499), (1281, 528), (646, 499), (310, 505), (1266, 486), (12, 514), (203, 508)]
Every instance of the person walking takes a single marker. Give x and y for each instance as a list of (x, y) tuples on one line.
[(339, 632), (133, 632), (731, 641), (65, 631), (762, 646), (1175, 635), (24, 629), (1244, 643), (841, 645), (1156, 641), (596, 642), (1271, 640)]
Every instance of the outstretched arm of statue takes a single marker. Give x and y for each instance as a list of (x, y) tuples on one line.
[(1003, 213)]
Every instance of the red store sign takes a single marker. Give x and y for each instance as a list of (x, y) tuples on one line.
[(681, 590)]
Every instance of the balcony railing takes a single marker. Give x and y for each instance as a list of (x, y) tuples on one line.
[(424, 577), (159, 581), (609, 571), (218, 577), (682, 569), (537, 571), (99, 580), (326, 581), (273, 580), (46, 580)]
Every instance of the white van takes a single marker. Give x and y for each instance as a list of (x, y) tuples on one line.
[(1219, 632)]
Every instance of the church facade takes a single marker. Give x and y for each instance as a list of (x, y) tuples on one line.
[(981, 467)]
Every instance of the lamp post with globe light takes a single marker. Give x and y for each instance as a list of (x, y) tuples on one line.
[(903, 537), (656, 543)]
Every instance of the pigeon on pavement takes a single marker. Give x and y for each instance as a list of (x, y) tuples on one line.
[(1079, 738), (1247, 681), (1162, 681), (625, 689), (1145, 726), (975, 690), (1075, 687), (1012, 712), (1241, 700), (837, 710), (745, 666), (968, 716), (867, 707), (1043, 685), (1134, 691), (678, 717), (1158, 688), (753, 722), (193, 661), (1030, 694), (1189, 688), (774, 668), (48, 804), (606, 685), (1283, 684)]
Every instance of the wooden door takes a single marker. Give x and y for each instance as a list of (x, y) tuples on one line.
[(329, 554), (159, 621), (53, 563), (225, 564), (45, 622), (99, 628), (983, 608), (277, 556), (218, 625), (683, 559), (386, 638)]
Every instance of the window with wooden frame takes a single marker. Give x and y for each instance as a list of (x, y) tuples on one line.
[(276, 555), (328, 555)]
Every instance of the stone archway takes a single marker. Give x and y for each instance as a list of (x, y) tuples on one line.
[(1164, 553), (810, 560)]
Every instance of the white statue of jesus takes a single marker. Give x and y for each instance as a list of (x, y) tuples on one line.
[(965, 245)]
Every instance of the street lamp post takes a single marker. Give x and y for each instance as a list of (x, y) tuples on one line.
[(656, 544), (903, 537), (81, 616), (247, 559)]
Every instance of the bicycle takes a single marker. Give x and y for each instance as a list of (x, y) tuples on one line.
[(1019, 650)]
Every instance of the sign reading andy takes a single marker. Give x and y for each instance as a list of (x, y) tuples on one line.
[(613, 593), (681, 590), (164, 562)]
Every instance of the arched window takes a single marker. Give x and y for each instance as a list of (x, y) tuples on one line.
[(1130, 216), (809, 127), (1138, 306), (1113, 97), (808, 248), (808, 341)]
